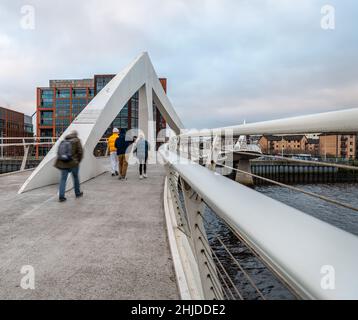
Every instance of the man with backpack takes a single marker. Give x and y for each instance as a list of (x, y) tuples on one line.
[(69, 156)]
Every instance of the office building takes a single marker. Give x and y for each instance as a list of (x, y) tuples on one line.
[(60, 103)]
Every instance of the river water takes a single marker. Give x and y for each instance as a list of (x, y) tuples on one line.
[(269, 286), (340, 217)]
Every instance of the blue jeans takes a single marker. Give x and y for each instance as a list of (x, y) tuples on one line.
[(76, 181)]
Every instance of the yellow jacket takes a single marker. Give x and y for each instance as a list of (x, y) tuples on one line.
[(111, 141)]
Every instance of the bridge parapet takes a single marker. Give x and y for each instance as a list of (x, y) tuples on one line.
[(293, 245)]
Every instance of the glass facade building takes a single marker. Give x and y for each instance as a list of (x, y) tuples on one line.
[(127, 118), (57, 106), (60, 103)]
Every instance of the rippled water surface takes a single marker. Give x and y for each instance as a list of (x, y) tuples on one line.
[(267, 285)]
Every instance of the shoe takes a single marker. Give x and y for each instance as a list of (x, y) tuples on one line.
[(116, 173), (140, 177), (113, 174), (62, 199), (79, 195), (145, 175)]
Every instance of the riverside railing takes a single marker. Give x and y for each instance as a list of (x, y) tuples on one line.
[(312, 259), (298, 248)]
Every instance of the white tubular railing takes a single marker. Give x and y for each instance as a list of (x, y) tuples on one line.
[(302, 250), (27, 148), (334, 121)]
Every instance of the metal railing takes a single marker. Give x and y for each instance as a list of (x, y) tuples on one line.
[(292, 245), (295, 248), (25, 153)]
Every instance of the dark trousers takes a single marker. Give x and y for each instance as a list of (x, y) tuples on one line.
[(143, 166), (76, 181)]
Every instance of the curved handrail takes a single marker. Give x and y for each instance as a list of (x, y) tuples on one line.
[(296, 245)]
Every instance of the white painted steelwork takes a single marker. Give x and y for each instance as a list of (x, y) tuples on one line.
[(334, 121), (96, 117), (296, 245)]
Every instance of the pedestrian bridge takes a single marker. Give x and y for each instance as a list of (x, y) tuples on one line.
[(110, 244), (187, 231)]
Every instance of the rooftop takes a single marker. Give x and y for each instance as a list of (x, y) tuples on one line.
[(79, 83)]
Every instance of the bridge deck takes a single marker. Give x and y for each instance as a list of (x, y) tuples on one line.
[(110, 244)]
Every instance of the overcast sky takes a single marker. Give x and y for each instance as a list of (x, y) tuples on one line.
[(226, 60)]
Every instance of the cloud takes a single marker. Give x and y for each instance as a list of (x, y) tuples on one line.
[(225, 61)]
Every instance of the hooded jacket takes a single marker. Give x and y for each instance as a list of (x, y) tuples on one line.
[(121, 144), (111, 142), (77, 154), (141, 149)]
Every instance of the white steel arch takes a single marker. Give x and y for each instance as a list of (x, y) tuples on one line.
[(96, 117)]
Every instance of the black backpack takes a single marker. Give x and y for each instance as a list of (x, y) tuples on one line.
[(64, 152)]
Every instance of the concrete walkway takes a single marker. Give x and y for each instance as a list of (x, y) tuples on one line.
[(110, 244)]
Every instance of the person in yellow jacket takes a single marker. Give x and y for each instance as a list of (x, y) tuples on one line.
[(113, 151)]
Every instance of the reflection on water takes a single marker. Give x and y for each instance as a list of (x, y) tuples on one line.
[(265, 281)]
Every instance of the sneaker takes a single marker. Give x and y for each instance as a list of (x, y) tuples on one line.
[(62, 199), (79, 195), (145, 175), (140, 177)]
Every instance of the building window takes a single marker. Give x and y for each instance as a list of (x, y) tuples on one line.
[(63, 93), (46, 118), (62, 108), (79, 93), (46, 98), (77, 106)]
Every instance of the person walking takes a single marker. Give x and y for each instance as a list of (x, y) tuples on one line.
[(141, 149), (69, 156), (113, 151), (122, 149)]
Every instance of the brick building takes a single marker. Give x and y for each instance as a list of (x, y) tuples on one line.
[(288, 144), (14, 124), (338, 145), (312, 146)]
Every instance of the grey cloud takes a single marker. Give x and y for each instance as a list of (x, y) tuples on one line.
[(225, 60)]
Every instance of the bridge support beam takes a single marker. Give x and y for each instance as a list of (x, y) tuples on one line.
[(145, 112), (243, 178), (97, 116)]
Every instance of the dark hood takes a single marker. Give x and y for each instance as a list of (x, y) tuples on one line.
[(71, 136)]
